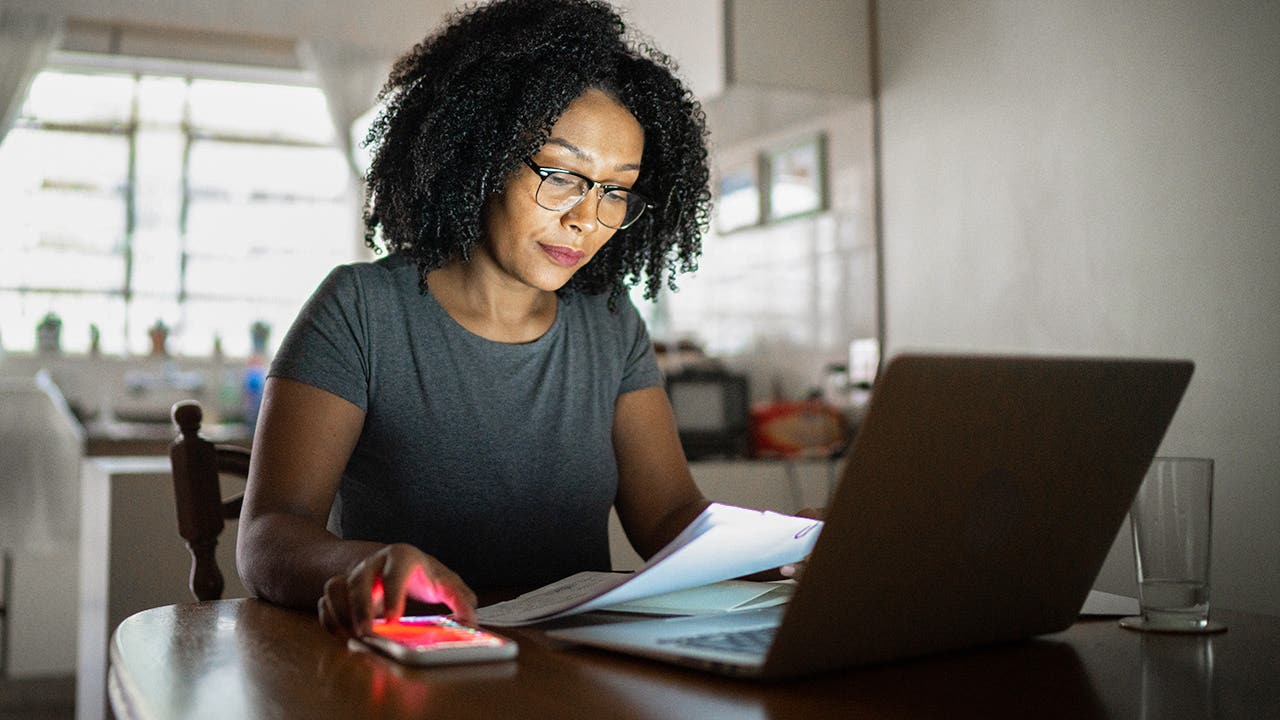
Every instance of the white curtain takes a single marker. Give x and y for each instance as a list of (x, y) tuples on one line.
[(26, 39), (350, 77)]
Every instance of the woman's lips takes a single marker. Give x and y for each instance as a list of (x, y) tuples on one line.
[(561, 255)]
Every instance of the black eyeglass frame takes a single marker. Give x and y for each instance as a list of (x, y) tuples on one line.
[(546, 172)]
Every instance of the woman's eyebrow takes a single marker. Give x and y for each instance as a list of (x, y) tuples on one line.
[(585, 156)]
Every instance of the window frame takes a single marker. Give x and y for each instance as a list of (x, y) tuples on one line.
[(137, 68)]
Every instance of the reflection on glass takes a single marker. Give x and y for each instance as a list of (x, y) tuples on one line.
[(1177, 677)]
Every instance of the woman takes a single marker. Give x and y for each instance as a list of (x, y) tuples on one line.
[(473, 404)]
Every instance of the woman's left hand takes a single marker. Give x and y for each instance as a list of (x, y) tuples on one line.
[(790, 571)]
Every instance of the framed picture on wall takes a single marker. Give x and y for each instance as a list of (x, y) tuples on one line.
[(738, 196), (797, 178)]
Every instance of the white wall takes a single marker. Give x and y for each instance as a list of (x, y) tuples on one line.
[(781, 300), (690, 30), (1102, 177)]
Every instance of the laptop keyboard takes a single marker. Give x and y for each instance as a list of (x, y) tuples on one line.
[(754, 641)]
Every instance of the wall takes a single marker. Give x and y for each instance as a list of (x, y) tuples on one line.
[(390, 25), (687, 29), (780, 301), (138, 389), (1101, 177)]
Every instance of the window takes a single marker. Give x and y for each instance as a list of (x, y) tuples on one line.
[(131, 198)]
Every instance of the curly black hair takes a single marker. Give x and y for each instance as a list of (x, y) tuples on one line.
[(465, 107)]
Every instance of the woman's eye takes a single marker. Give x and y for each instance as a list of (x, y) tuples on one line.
[(561, 180)]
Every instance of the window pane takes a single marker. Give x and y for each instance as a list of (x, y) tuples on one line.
[(21, 312), (271, 235), (230, 320), (157, 250), (145, 311), (86, 161), (243, 171), (286, 112), (62, 213), (161, 101), (80, 98), (211, 205)]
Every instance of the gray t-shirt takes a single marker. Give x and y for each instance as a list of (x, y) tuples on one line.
[(495, 458)]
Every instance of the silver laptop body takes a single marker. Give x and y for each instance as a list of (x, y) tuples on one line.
[(979, 501)]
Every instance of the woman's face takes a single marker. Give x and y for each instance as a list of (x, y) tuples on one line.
[(596, 137)]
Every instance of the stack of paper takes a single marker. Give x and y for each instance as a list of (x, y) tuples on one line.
[(723, 542), (723, 596)]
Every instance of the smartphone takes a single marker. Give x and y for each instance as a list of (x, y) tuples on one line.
[(437, 640)]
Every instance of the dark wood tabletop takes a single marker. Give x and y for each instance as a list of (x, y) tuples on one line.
[(250, 659)]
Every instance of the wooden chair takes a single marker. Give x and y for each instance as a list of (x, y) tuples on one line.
[(201, 510)]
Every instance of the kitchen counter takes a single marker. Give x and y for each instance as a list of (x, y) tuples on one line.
[(112, 438)]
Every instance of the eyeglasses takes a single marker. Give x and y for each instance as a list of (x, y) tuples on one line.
[(560, 190)]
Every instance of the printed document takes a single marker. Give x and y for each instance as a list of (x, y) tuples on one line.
[(723, 542)]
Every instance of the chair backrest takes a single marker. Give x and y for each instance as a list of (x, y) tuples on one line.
[(198, 495)]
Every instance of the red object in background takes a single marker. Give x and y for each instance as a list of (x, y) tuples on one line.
[(800, 428)]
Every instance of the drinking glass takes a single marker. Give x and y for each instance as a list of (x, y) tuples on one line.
[(1172, 526)]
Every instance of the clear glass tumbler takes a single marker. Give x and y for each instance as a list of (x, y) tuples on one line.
[(1172, 527)]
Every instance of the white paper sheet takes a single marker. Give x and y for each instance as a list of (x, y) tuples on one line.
[(723, 542), (720, 597)]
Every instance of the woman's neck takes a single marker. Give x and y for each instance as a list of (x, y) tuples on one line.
[(493, 307)]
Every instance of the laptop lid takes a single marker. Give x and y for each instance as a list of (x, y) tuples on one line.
[(981, 498)]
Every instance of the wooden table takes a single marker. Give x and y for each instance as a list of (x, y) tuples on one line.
[(249, 659)]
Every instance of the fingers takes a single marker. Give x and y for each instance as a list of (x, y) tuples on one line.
[(359, 600), (335, 614), (379, 585), (433, 582), (395, 576), (792, 571), (456, 595)]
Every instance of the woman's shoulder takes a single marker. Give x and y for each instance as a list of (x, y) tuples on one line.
[(596, 310), (383, 274)]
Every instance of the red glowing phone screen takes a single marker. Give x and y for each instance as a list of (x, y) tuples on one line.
[(433, 631)]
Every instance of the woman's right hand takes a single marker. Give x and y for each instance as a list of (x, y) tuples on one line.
[(378, 586)]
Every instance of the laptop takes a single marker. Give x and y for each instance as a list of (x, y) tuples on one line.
[(980, 499)]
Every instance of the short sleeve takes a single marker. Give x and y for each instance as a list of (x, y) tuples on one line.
[(328, 345), (641, 368)]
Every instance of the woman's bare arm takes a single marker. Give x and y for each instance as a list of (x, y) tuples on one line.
[(656, 496), (285, 554)]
